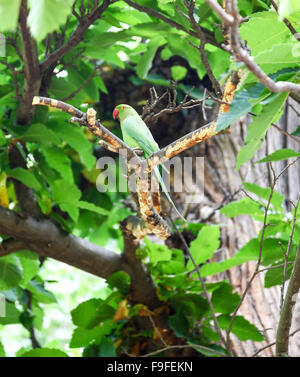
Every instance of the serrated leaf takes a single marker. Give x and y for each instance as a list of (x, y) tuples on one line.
[(280, 154), (26, 177), (248, 252), (46, 15), (274, 276), (44, 352), (224, 300), (258, 128), (242, 328), (203, 247)]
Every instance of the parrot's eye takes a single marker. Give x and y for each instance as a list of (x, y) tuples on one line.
[(122, 107)]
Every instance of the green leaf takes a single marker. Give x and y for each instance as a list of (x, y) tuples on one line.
[(82, 337), (67, 195), (178, 72), (244, 206), (26, 177), (265, 193), (278, 57), (12, 315), (30, 265), (190, 304), (91, 313), (179, 324), (46, 15), (223, 300), (274, 276), (2, 350), (145, 62), (203, 247), (119, 280), (39, 133), (39, 293), (75, 137), (10, 272), (59, 161), (258, 128), (157, 252), (92, 207), (296, 132), (44, 352), (280, 154), (248, 252), (264, 24), (241, 105), (242, 328), (9, 12)]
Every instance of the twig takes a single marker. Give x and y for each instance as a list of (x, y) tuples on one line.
[(275, 180), (201, 35), (208, 34), (84, 83), (272, 344), (287, 22), (183, 346), (14, 75), (283, 132)]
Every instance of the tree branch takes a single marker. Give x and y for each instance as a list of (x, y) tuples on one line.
[(46, 239), (283, 330), (32, 74), (76, 37), (208, 34)]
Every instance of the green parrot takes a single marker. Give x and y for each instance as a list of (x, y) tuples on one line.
[(136, 134)]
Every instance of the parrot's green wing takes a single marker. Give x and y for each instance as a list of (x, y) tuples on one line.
[(137, 130), (137, 134)]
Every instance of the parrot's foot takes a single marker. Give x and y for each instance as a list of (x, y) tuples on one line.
[(138, 151)]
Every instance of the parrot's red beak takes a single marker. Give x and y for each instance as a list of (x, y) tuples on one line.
[(115, 114)]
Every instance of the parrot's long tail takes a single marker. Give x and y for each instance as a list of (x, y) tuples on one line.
[(164, 189)]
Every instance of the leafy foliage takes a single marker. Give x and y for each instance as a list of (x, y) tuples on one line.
[(60, 167)]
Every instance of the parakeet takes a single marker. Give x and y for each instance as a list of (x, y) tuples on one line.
[(136, 134)]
